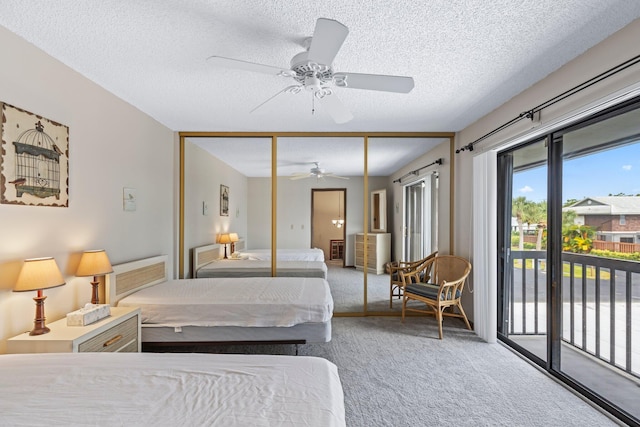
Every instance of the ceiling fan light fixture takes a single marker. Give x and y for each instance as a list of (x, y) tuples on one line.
[(313, 71), (312, 83)]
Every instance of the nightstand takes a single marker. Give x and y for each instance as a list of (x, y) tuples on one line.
[(119, 332)]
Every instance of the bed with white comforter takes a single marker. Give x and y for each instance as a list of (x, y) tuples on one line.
[(169, 389), (261, 268), (185, 311), (313, 254)]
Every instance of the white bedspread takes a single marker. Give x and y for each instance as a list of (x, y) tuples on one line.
[(165, 389), (260, 268), (258, 301), (283, 254)]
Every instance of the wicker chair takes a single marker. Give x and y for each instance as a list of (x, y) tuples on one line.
[(395, 269), (442, 292)]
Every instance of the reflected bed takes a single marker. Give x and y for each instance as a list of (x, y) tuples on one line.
[(206, 264)]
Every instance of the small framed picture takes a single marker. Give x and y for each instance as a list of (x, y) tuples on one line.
[(224, 200)]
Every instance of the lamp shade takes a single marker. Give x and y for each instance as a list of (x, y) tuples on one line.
[(94, 263), (224, 238), (39, 273), (233, 237)]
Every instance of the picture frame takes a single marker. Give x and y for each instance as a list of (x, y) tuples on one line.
[(34, 159), (224, 200)]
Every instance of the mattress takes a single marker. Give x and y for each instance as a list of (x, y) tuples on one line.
[(253, 302), (162, 389), (261, 268), (283, 254)]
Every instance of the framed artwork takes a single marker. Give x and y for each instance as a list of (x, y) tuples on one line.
[(224, 200), (34, 161)]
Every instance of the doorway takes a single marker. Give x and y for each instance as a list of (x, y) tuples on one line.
[(329, 223)]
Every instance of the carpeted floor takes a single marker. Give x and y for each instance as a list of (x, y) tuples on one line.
[(347, 289), (396, 374)]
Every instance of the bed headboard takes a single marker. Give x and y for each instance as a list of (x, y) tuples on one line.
[(205, 254), (135, 275)]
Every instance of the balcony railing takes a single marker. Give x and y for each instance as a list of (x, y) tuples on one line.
[(600, 304)]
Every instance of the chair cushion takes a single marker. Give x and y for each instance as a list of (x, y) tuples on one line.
[(428, 290)]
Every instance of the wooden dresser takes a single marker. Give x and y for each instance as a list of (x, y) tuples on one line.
[(118, 332), (378, 251)]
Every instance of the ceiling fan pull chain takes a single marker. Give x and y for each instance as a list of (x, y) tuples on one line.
[(313, 105)]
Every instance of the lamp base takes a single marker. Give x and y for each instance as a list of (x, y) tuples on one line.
[(39, 327), (95, 297), (225, 251)]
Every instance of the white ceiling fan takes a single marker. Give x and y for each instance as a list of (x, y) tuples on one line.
[(312, 71), (316, 172)]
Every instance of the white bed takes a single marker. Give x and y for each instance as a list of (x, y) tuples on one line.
[(206, 263), (313, 254), (260, 309), (258, 268), (136, 389)]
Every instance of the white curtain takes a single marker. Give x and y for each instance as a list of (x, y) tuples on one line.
[(485, 245)]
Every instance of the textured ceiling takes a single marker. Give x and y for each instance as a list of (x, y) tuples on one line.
[(467, 56)]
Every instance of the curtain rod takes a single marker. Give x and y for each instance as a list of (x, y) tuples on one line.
[(531, 114), (417, 171)]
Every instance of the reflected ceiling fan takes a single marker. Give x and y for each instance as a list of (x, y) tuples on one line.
[(315, 172), (312, 71)]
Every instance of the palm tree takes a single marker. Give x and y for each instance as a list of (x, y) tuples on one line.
[(538, 216), (518, 210)]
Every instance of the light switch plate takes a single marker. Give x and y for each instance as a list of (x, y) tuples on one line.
[(205, 208)]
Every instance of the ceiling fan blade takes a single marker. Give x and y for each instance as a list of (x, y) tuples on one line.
[(272, 106), (300, 176), (335, 108), (381, 82), (330, 175), (248, 66), (326, 41)]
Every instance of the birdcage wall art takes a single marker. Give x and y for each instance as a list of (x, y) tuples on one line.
[(34, 169)]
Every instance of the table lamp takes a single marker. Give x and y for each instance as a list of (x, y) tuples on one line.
[(38, 274), (94, 263), (225, 239), (234, 239)]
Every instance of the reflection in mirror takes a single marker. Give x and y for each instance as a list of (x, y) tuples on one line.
[(390, 159), (378, 211), (227, 189), (304, 164), (320, 180)]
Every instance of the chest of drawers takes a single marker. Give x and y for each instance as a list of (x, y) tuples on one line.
[(378, 251)]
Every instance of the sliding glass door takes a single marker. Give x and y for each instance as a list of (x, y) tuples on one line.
[(523, 302), (569, 278), (420, 223)]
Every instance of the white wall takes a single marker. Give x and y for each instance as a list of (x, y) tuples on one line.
[(616, 49), (204, 174), (111, 145), (294, 211)]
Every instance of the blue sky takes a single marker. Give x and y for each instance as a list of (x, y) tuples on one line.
[(612, 171)]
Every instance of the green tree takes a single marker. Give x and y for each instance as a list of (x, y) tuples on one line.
[(518, 207), (568, 218), (539, 216)]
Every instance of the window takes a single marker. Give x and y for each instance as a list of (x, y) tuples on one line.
[(623, 220)]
